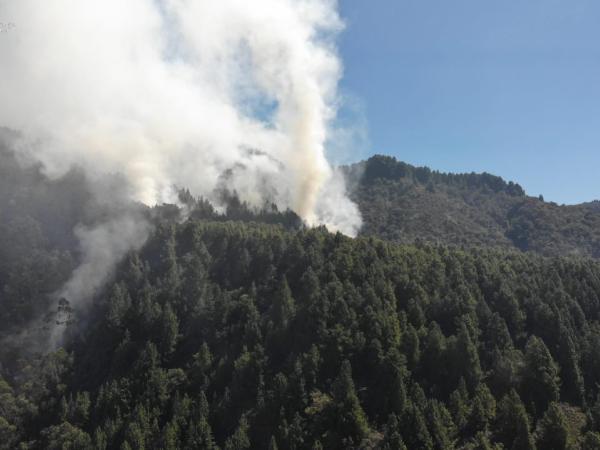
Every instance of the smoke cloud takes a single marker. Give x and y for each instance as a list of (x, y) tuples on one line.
[(102, 247), (179, 92)]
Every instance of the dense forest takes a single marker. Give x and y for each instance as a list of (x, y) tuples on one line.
[(245, 330), (243, 335), (404, 203)]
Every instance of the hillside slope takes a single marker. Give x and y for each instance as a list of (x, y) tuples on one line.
[(247, 336), (248, 331), (404, 203)]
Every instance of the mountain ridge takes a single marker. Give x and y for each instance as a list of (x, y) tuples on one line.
[(404, 203)]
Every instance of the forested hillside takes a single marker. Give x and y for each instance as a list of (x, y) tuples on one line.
[(405, 203), (39, 246), (250, 336), (245, 330)]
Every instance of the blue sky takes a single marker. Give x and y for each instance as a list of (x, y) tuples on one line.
[(511, 87)]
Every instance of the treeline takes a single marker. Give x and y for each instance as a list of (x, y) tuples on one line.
[(387, 167), (246, 336), (404, 203)]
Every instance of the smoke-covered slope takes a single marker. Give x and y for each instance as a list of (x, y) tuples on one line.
[(405, 203), (63, 237)]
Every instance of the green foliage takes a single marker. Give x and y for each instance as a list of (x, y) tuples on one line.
[(66, 437), (540, 375), (512, 424), (392, 438), (348, 415), (223, 334), (552, 430), (239, 440)]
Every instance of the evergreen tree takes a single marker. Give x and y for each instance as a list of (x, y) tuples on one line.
[(540, 385), (239, 440), (283, 305), (199, 435), (512, 424), (349, 418), (460, 405), (392, 439), (411, 346), (440, 424), (169, 330), (483, 409), (570, 373), (415, 430), (468, 357), (552, 429)]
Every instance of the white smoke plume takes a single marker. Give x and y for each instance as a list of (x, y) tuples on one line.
[(102, 247), (176, 92)]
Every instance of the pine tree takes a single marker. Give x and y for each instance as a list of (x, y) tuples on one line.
[(119, 303), (201, 367), (199, 435), (392, 439), (239, 440), (460, 405), (468, 356), (170, 436), (349, 417), (100, 439), (540, 385), (410, 347), (570, 374), (434, 352), (552, 432), (512, 424), (284, 306), (440, 425), (415, 430), (483, 409), (169, 330)]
